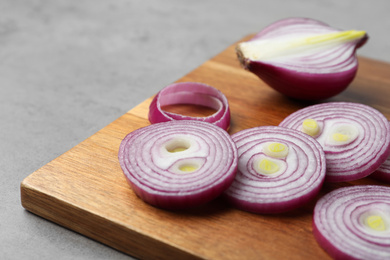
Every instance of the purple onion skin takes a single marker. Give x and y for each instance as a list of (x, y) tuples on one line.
[(302, 85), (329, 247), (381, 176), (383, 172), (272, 208), (181, 202)]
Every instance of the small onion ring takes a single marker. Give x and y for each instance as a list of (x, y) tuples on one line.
[(190, 93), (151, 165), (359, 158), (383, 172), (299, 182), (338, 222)]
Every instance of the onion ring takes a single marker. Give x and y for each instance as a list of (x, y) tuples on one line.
[(354, 222), (190, 93), (178, 164), (355, 137), (279, 169)]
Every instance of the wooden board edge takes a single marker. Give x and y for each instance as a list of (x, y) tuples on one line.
[(84, 223), (36, 201)]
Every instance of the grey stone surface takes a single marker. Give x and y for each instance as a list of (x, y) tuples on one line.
[(69, 68)]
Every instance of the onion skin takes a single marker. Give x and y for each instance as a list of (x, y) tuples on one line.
[(359, 158), (151, 164), (190, 93), (295, 186), (339, 227), (308, 77), (383, 172), (302, 86)]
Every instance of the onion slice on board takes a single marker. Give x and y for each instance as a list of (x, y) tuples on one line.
[(354, 222), (178, 164), (355, 137), (383, 172), (194, 93), (303, 58), (279, 169)]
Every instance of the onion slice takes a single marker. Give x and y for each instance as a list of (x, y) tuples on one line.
[(279, 169), (178, 164), (354, 222), (355, 137), (383, 172), (190, 93), (303, 58)]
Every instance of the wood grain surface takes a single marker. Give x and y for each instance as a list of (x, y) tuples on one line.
[(85, 190)]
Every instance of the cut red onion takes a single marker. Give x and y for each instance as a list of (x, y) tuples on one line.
[(190, 93), (355, 137), (178, 164), (354, 222), (383, 172), (303, 58), (279, 169)]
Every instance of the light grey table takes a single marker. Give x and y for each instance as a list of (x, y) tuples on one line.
[(69, 68)]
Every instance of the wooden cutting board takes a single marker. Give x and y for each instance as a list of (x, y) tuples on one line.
[(85, 190)]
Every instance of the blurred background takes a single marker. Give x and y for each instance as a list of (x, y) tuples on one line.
[(69, 68)]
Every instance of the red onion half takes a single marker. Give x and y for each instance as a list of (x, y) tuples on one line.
[(383, 172), (279, 169), (178, 164), (354, 222), (190, 93), (303, 58), (355, 137)]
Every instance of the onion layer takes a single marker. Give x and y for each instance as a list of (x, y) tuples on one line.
[(190, 93), (178, 164), (355, 137), (354, 222), (303, 58), (279, 169)]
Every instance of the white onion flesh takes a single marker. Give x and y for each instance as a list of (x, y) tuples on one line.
[(178, 164), (367, 132), (298, 176), (354, 222), (193, 93)]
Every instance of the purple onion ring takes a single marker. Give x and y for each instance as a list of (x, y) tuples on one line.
[(178, 164), (190, 93), (354, 222), (297, 181), (357, 159)]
